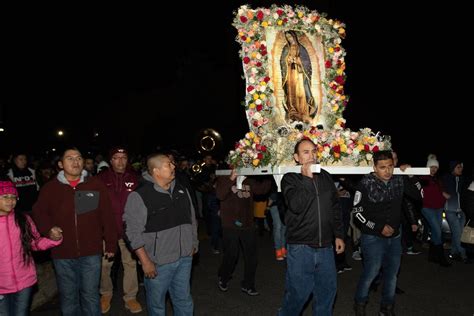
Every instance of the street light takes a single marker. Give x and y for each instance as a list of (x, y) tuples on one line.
[(60, 133)]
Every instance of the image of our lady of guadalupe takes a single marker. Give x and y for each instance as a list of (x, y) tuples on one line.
[(296, 80)]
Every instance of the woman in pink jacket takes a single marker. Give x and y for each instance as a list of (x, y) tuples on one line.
[(18, 237)]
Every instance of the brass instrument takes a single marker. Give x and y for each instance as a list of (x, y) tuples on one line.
[(208, 142)]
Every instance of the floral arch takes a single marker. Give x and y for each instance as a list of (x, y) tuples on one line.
[(294, 69)]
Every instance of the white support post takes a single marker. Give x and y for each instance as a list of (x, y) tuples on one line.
[(278, 171)]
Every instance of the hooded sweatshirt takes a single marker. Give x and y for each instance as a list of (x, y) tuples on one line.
[(83, 212)]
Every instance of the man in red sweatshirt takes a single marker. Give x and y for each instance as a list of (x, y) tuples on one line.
[(81, 207)]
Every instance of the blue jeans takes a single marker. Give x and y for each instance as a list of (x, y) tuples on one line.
[(379, 252), (16, 304), (78, 283), (456, 221), (175, 278), (310, 270), (434, 216), (279, 229)]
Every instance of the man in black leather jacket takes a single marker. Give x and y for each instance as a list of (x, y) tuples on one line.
[(314, 222)]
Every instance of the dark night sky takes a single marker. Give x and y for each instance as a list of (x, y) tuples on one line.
[(130, 74)]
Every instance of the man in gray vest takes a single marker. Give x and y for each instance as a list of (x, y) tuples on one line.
[(162, 230)]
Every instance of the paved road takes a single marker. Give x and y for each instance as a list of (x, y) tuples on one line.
[(430, 289)]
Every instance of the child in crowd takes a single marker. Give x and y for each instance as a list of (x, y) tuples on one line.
[(18, 237)]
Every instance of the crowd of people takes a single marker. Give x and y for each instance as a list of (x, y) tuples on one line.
[(88, 210)]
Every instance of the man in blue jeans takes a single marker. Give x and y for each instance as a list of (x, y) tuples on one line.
[(378, 207), (314, 222), (161, 227), (81, 206)]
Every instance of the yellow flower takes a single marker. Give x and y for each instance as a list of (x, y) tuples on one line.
[(252, 106), (255, 96), (360, 147), (248, 40), (331, 50), (241, 34), (339, 71), (279, 22), (263, 83), (264, 23), (253, 55), (300, 14), (343, 148), (262, 96), (343, 97), (336, 155), (251, 135), (255, 162), (247, 142), (335, 108), (342, 31)]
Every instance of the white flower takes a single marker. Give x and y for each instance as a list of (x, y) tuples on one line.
[(368, 157), (275, 15), (259, 56), (254, 70), (262, 88), (257, 116), (258, 102), (317, 27), (252, 80)]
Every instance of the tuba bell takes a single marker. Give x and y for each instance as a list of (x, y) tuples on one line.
[(208, 142)]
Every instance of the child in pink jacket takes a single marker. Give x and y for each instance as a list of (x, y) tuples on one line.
[(18, 237)]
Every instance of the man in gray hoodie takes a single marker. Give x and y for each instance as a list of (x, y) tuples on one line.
[(162, 230)]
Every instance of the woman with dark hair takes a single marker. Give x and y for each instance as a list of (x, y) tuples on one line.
[(19, 238)]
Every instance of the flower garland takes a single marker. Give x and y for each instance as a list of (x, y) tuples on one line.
[(251, 25), (266, 146)]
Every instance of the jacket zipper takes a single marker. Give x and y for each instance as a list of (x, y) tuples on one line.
[(11, 253), (154, 245), (75, 224), (319, 214)]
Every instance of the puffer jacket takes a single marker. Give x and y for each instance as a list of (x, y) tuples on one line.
[(15, 273)]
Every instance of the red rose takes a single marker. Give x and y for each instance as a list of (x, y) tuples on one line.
[(250, 88), (243, 19), (263, 148), (246, 60), (260, 156), (259, 107), (366, 147), (264, 52), (259, 64), (263, 47), (337, 49), (243, 38), (266, 79), (285, 20), (280, 12), (260, 15), (375, 149), (237, 145), (328, 64), (336, 149), (339, 79)]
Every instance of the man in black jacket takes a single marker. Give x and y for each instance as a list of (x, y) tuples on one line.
[(314, 222), (378, 207)]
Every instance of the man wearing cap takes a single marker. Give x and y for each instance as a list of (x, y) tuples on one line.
[(120, 180)]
